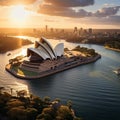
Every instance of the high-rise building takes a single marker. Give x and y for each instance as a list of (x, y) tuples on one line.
[(90, 31), (75, 29)]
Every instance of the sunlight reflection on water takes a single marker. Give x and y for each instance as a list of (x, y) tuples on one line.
[(16, 86), (95, 74)]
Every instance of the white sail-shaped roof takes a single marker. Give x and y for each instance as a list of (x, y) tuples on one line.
[(40, 53), (44, 49), (59, 49), (48, 47), (41, 47)]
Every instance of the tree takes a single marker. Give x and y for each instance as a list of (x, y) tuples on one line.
[(46, 99), (57, 99), (44, 117), (31, 113), (4, 97), (77, 48), (66, 49), (91, 52), (14, 103), (69, 104), (49, 111), (65, 113), (17, 113), (37, 103)]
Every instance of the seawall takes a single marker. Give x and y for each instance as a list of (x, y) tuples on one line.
[(50, 72)]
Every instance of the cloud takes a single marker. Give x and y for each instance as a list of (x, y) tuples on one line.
[(62, 11), (106, 15), (70, 3), (111, 20), (107, 11), (65, 8), (53, 10), (15, 2)]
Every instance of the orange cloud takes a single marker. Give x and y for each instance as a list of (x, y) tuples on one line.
[(62, 11)]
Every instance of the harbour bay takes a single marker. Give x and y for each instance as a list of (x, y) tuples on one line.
[(93, 88)]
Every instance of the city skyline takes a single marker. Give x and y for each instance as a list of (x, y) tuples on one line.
[(104, 14)]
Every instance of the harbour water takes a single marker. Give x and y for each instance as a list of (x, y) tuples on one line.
[(93, 88)]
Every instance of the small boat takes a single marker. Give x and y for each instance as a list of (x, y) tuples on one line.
[(8, 54), (117, 71)]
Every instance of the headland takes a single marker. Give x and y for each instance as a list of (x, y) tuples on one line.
[(25, 106), (114, 49), (8, 43)]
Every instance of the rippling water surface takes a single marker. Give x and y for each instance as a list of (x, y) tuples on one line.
[(93, 88)]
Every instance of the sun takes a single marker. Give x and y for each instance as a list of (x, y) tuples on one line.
[(18, 15)]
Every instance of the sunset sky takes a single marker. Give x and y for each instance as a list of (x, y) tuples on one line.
[(103, 14)]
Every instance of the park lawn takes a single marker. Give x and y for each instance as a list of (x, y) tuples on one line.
[(23, 72)]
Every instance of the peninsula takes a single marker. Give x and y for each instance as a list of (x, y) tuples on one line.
[(8, 43), (43, 60), (113, 45)]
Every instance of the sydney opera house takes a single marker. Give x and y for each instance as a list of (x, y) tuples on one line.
[(43, 57), (44, 51), (43, 60)]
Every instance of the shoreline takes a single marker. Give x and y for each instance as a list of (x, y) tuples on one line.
[(114, 49), (51, 72), (10, 43)]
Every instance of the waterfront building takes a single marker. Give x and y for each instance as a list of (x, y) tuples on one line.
[(43, 50)]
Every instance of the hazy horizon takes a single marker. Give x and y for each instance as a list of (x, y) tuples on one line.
[(43, 28)]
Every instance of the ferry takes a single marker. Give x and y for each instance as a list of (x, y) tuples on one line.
[(117, 71)]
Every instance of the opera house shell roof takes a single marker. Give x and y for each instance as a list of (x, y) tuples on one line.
[(43, 50)]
